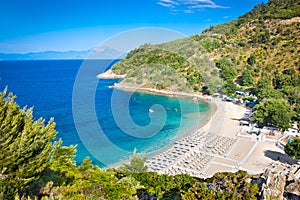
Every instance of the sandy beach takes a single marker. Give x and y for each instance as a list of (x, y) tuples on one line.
[(216, 147), (205, 151), (213, 147)]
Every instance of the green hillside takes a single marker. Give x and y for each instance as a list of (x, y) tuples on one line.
[(263, 43), (180, 65), (264, 40), (258, 52)]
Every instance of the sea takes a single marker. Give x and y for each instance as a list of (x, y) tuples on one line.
[(104, 124)]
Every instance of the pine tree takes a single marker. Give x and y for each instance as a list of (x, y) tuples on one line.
[(136, 165), (25, 146)]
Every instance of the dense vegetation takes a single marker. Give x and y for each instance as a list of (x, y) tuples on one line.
[(181, 65), (258, 52), (273, 112), (274, 9), (292, 148), (32, 165)]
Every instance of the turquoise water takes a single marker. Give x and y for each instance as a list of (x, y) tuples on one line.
[(122, 121)]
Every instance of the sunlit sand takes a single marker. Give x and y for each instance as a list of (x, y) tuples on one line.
[(216, 147)]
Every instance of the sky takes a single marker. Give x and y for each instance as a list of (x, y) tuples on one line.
[(62, 25)]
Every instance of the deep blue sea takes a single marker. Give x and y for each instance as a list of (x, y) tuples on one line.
[(106, 124)]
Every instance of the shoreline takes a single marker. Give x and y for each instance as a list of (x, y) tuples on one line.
[(212, 146), (183, 95)]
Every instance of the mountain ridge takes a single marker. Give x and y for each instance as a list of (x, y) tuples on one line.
[(102, 52)]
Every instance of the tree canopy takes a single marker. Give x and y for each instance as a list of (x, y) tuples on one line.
[(223, 186), (273, 112), (25, 145), (292, 148), (247, 78)]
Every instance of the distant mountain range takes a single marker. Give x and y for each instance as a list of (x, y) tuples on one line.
[(103, 52)]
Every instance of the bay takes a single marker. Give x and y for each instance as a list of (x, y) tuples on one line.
[(48, 86)]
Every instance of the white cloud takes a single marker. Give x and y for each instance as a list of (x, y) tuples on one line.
[(188, 6), (165, 4), (168, 3)]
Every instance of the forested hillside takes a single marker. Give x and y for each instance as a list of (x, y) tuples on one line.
[(181, 65), (263, 43), (258, 52), (262, 49)]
